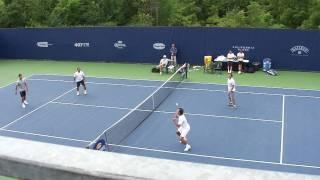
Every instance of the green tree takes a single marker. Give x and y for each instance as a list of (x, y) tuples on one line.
[(14, 14), (313, 22), (185, 14), (257, 16), (233, 18), (76, 12), (143, 13), (111, 11), (213, 18)]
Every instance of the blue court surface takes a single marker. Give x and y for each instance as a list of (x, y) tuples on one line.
[(272, 129)]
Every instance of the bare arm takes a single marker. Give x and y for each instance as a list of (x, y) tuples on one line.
[(175, 120), (26, 86)]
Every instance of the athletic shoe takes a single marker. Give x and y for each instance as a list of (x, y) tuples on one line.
[(23, 105), (234, 106), (25, 102), (78, 93), (239, 72), (85, 92), (188, 147), (160, 73)]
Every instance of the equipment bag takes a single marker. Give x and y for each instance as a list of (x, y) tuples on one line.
[(155, 70)]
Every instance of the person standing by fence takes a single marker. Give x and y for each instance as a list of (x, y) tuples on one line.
[(230, 59), (173, 52), (240, 58)]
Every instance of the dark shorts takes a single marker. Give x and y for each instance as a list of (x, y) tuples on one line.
[(229, 63), (80, 82), (23, 93)]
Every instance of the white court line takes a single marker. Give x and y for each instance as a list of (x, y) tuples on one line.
[(90, 82), (282, 129), (216, 157), (94, 106), (163, 151), (312, 97), (43, 135), (27, 77), (166, 112), (121, 78), (43, 105), (189, 89), (105, 77)]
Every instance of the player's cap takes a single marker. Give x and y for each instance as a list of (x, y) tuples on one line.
[(164, 56)]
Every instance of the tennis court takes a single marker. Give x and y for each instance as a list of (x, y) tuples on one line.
[(273, 128)]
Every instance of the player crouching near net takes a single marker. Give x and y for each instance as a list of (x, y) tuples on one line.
[(79, 78), (183, 127), (22, 87)]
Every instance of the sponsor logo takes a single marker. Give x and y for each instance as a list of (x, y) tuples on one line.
[(81, 45), (299, 51), (119, 45), (243, 48), (159, 46), (43, 44)]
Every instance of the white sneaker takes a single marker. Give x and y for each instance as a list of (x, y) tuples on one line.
[(23, 105), (85, 92), (160, 73), (239, 72), (25, 102), (78, 93), (188, 147)]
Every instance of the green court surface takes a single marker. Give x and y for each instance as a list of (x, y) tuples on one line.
[(9, 69), (5, 178)]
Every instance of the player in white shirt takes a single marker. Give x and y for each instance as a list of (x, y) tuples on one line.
[(79, 78), (163, 63), (183, 127), (231, 90), (240, 57), (22, 87), (230, 59)]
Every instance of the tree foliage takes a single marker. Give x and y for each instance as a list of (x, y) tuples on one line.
[(294, 14)]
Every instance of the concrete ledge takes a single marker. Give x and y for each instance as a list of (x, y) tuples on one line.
[(37, 161)]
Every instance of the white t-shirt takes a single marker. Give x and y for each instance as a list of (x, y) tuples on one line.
[(240, 56), (183, 123), (231, 83), (79, 76), (230, 56), (22, 85), (164, 61)]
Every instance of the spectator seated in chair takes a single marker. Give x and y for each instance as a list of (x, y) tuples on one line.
[(163, 64)]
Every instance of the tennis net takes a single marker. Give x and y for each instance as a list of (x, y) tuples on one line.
[(128, 123)]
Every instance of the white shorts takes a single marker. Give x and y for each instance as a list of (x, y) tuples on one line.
[(184, 132)]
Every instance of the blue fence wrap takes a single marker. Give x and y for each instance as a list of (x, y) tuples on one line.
[(288, 49)]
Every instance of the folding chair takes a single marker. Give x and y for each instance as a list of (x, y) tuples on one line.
[(217, 67), (171, 67)]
